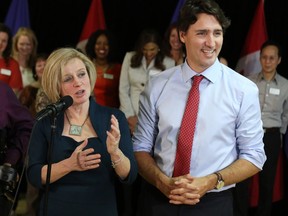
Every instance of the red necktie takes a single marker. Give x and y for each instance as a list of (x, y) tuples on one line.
[(187, 129)]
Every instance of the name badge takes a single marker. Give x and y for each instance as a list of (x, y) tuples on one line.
[(5, 72), (108, 76), (274, 91)]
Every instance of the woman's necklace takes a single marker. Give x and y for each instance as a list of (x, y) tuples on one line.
[(75, 130), (101, 68)]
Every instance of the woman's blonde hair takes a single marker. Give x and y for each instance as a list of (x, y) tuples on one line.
[(52, 74), (24, 31)]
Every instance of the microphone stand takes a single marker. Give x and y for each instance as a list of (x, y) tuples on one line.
[(49, 155)]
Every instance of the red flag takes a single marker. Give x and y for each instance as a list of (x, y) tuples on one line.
[(257, 35), (94, 20)]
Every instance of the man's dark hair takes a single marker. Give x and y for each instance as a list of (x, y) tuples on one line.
[(191, 8), (272, 43)]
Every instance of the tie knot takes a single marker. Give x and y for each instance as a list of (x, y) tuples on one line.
[(197, 79)]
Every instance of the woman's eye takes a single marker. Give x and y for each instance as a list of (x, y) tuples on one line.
[(67, 79), (82, 74)]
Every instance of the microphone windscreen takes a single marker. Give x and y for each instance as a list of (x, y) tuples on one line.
[(68, 101)]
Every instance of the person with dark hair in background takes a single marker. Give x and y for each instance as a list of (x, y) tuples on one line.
[(28, 95), (15, 127), (92, 143), (273, 98), (9, 67), (192, 155), (137, 68), (172, 46), (101, 49)]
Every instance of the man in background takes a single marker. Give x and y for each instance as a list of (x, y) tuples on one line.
[(273, 96)]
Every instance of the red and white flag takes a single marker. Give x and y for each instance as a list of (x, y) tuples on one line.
[(249, 61), (94, 20)]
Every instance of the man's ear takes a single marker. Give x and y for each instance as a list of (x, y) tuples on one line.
[(279, 60), (182, 36)]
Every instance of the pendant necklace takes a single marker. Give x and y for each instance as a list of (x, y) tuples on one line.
[(75, 130)]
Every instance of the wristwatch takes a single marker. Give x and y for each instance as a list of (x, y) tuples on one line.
[(220, 182)]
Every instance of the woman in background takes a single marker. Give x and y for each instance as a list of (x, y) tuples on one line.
[(138, 66), (100, 49), (172, 46), (28, 95), (24, 51), (9, 68)]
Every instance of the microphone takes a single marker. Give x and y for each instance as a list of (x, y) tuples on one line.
[(55, 108)]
